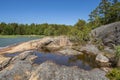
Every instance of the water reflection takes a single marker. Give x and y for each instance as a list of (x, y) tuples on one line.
[(82, 61), (86, 62)]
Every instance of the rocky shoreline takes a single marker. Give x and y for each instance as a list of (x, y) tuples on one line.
[(22, 66)]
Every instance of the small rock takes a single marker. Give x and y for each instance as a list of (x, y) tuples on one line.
[(102, 58), (102, 61)]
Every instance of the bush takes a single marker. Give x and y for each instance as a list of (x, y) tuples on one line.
[(114, 74), (79, 36), (117, 55)]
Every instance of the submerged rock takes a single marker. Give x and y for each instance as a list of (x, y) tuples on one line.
[(51, 71), (69, 52)]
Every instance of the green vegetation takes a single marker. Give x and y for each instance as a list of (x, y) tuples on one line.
[(114, 74), (117, 55), (80, 32), (106, 12), (33, 29), (117, 52)]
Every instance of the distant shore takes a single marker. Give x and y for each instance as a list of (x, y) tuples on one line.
[(16, 36)]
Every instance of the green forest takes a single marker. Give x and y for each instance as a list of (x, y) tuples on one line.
[(106, 12)]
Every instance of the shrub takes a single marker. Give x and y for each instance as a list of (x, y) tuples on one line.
[(79, 36), (114, 74), (117, 55)]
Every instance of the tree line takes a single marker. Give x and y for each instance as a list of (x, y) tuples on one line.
[(79, 30), (32, 29)]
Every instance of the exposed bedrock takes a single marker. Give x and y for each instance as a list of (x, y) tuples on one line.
[(109, 34)]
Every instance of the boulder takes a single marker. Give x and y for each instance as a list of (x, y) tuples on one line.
[(57, 44), (109, 34), (90, 49), (61, 41), (102, 58), (51, 71)]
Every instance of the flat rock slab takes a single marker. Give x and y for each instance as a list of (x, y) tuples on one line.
[(21, 70), (51, 71)]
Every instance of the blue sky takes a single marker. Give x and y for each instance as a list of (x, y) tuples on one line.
[(46, 11)]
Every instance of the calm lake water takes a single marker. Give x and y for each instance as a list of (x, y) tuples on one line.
[(82, 61), (9, 41)]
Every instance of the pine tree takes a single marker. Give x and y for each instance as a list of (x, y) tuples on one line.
[(107, 11)]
